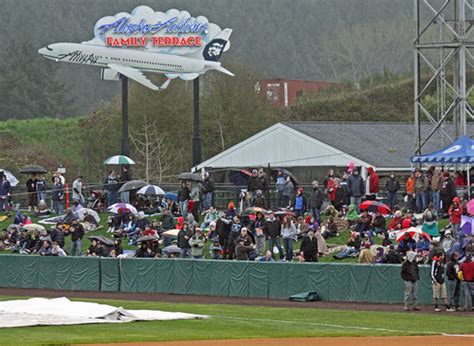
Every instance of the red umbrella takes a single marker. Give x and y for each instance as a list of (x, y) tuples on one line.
[(374, 206), (414, 232)]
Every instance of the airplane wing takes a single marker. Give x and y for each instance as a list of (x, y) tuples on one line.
[(134, 74)]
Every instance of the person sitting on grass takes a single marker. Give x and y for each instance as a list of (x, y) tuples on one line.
[(362, 223), (406, 244), (365, 255), (309, 247), (396, 223), (45, 249), (144, 251), (420, 258), (378, 223), (330, 229), (423, 244), (353, 246), (242, 251), (267, 258), (57, 250), (392, 256), (216, 249)]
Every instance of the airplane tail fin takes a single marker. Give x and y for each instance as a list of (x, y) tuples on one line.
[(214, 49)]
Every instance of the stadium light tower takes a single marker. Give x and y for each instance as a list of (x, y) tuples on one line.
[(444, 44)]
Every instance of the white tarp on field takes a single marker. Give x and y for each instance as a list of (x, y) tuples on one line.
[(62, 311)]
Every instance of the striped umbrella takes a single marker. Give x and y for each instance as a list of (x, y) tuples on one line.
[(151, 190), (119, 160)]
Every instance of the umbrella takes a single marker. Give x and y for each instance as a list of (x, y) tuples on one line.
[(147, 237), (83, 211), (190, 176), (171, 233), (172, 196), (469, 206), (102, 239), (414, 233), (132, 185), (151, 190), (467, 225), (375, 206), (285, 173), (114, 208), (255, 210), (172, 249), (285, 213), (34, 227), (119, 160), (10, 177), (33, 169), (239, 177)]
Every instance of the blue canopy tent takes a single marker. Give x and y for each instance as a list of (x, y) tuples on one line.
[(459, 152)]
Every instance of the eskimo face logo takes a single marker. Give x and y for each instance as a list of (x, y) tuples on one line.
[(215, 49), (452, 149)]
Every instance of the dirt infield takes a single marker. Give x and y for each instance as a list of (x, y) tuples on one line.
[(342, 341), (193, 299)]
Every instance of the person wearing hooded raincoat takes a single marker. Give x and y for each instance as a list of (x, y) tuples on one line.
[(352, 213), (455, 213), (410, 275)]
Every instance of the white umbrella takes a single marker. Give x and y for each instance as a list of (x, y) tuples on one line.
[(82, 213), (172, 232), (10, 177), (151, 190), (114, 208), (34, 227), (119, 160)]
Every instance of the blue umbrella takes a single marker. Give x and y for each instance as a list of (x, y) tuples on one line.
[(467, 225), (172, 196)]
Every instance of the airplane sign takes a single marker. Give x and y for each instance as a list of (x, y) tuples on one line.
[(133, 63)]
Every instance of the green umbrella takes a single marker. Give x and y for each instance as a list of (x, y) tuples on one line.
[(119, 160)]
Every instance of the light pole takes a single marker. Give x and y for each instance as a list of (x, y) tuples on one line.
[(125, 146), (197, 133)]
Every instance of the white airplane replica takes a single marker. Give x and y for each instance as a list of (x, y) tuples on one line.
[(132, 63)]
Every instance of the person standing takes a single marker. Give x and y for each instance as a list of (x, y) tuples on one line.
[(391, 188), (356, 187), (316, 201), (467, 269), (31, 189), (57, 196), (448, 192), (77, 191), (77, 233), (41, 187), (183, 241), (410, 275), (421, 187), (183, 199), (300, 203), (288, 192), (455, 213), (5, 192), (437, 278), (111, 187), (280, 187), (196, 197), (208, 190), (454, 285), (272, 230), (410, 191), (436, 186), (288, 232), (197, 242), (372, 188), (309, 247)]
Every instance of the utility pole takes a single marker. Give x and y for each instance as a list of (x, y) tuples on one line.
[(197, 131), (125, 146)]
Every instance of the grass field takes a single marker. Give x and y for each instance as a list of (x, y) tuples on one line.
[(235, 322)]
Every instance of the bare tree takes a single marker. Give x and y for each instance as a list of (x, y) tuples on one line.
[(154, 151)]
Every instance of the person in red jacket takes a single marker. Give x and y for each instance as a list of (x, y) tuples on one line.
[(372, 187), (455, 213)]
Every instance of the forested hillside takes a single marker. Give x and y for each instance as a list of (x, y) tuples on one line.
[(337, 40)]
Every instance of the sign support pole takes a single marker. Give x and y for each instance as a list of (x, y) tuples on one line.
[(197, 132), (125, 146)]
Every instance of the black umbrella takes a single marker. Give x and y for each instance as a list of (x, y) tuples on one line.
[(147, 237), (285, 173), (190, 176), (33, 169), (102, 239), (132, 185)]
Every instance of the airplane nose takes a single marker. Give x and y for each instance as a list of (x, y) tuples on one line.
[(42, 51)]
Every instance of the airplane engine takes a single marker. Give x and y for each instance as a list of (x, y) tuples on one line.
[(109, 74)]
